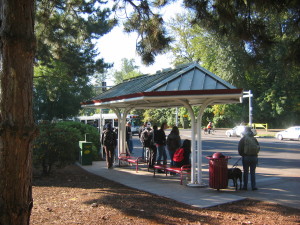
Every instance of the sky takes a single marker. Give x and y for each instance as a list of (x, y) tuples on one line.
[(116, 45)]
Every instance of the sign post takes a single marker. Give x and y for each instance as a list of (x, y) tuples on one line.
[(248, 94)]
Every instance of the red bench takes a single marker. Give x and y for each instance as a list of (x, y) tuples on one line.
[(184, 170), (131, 160)]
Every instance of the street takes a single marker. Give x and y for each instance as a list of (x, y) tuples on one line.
[(280, 158), (277, 173)]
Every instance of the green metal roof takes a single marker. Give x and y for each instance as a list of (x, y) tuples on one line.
[(182, 82)]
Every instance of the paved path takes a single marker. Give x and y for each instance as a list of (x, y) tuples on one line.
[(285, 191), (275, 185)]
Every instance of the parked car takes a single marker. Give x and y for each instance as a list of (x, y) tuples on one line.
[(290, 133), (238, 131)]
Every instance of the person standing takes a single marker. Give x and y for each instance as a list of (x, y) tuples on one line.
[(145, 140), (173, 142), (109, 142), (249, 148), (161, 143), (129, 137), (142, 128), (153, 149)]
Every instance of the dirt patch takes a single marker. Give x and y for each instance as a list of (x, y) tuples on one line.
[(74, 196)]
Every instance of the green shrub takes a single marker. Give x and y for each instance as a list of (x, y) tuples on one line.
[(92, 135), (92, 132), (58, 144)]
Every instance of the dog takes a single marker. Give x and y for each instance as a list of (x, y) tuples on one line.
[(235, 174)]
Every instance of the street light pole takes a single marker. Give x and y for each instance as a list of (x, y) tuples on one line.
[(176, 119), (248, 94)]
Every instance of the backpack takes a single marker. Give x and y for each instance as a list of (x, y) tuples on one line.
[(145, 138), (251, 148), (108, 138), (178, 155)]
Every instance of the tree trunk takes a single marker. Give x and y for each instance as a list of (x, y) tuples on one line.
[(17, 128)]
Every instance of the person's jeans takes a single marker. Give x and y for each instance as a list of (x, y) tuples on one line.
[(130, 145), (161, 154), (249, 162), (171, 154)]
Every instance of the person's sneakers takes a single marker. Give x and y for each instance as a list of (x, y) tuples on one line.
[(254, 189), (244, 189)]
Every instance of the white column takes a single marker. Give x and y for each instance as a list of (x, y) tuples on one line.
[(118, 113), (193, 144), (199, 140)]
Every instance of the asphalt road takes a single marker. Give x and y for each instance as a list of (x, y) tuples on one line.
[(280, 158), (276, 157)]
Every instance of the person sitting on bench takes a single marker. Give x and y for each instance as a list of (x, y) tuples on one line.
[(182, 155)]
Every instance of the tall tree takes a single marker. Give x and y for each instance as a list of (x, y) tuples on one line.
[(17, 128), (67, 27), (238, 20), (56, 94), (67, 58), (142, 17), (271, 78), (128, 70)]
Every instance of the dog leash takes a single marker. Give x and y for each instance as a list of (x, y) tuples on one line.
[(234, 165)]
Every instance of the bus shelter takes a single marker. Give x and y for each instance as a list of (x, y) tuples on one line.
[(186, 85)]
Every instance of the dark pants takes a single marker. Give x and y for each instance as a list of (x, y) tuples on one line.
[(171, 154), (110, 153), (249, 162), (153, 153), (130, 145), (161, 154)]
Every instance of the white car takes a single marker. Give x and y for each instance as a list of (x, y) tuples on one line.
[(238, 131), (290, 133)]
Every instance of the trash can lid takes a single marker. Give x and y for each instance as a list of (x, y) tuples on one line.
[(218, 155)]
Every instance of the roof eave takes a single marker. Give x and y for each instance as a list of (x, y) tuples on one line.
[(219, 95)]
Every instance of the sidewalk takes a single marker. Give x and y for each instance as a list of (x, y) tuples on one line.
[(284, 191)]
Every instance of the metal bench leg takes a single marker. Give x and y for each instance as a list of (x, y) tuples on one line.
[(181, 176)]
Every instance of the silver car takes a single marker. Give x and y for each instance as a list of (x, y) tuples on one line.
[(290, 133), (238, 131)]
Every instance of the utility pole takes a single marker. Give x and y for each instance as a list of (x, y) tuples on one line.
[(176, 118), (249, 95)]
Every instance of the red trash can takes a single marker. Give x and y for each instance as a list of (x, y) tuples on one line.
[(218, 171)]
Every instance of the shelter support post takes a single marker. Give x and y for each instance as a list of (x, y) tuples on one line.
[(199, 141), (118, 113), (121, 128), (193, 143), (196, 145)]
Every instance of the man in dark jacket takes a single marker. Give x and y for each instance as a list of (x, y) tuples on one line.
[(173, 142), (160, 141), (248, 148), (109, 142), (129, 137), (153, 149)]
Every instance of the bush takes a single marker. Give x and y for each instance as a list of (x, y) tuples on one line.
[(58, 144), (92, 135)]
